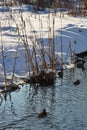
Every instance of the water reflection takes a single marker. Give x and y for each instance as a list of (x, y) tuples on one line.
[(40, 97), (65, 103)]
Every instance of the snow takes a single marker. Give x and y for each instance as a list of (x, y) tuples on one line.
[(17, 22)]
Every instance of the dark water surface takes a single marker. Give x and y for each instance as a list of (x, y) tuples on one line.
[(65, 103)]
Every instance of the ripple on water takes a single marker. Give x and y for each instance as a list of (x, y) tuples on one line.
[(65, 103)]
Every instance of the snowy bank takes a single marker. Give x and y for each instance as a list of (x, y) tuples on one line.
[(17, 22)]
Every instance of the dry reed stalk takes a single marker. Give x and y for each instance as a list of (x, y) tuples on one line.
[(49, 39), (41, 50), (3, 58), (26, 46), (14, 65), (53, 46)]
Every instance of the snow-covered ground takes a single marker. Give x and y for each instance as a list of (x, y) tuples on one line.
[(16, 22)]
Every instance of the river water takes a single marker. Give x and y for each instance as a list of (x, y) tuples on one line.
[(65, 103)]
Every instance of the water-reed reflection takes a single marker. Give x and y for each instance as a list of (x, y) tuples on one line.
[(65, 103)]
